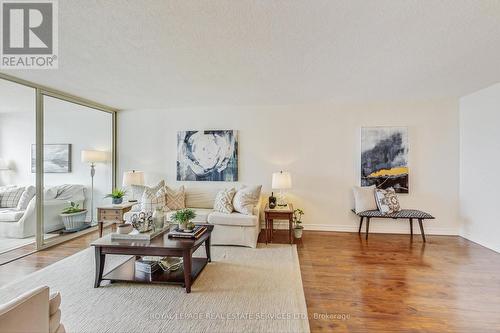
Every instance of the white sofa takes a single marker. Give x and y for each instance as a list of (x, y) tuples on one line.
[(21, 223), (34, 311), (229, 229)]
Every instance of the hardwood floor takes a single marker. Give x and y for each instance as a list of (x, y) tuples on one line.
[(385, 284)]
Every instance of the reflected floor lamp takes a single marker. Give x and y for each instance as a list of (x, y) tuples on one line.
[(93, 157)]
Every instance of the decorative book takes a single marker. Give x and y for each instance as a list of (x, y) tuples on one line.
[(193, 234)]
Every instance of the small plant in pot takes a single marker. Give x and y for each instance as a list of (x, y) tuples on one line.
[(73, 217), (183, 217), (297, 221), (117, 195)]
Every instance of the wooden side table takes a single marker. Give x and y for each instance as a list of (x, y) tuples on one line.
[(113, 214), (284, 213)]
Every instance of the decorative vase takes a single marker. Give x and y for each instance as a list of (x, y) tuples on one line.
[(298, 232), (272, 201), (158, 218), (117, 201), (183, 225)]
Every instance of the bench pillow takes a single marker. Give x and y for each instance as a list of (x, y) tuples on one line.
[(387, 201), (364, 198)]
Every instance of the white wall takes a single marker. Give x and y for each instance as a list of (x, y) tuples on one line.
[(64, 122), (319, 145), (479, 161)]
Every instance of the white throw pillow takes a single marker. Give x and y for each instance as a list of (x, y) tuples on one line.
[(246, 199), (151, 200), (138, 190), (176, 199), (364, 198), (224, 201), (387, 201), (28, 194)]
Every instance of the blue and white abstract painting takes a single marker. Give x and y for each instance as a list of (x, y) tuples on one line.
[(207, 155)]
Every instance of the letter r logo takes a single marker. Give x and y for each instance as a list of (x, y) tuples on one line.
[(27, 27)]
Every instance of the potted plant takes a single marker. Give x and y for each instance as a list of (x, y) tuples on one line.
[(183, 217), (117, 194), (297, 221), (73, 217)]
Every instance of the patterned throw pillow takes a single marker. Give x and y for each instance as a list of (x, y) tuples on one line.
[(9, 197), (151, 200), (246, 199), (387, 201), (224, 201), (175, 199)]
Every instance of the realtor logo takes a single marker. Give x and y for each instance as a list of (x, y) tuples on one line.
[(29, 34)]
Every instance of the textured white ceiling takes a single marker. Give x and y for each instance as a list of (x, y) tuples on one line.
[(135, 54)]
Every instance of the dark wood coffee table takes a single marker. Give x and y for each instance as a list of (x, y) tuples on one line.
[(158, 246)]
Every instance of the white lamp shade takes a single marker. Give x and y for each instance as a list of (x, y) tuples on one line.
[(133, 178), (93, 156), (281, 180), (3, 165)]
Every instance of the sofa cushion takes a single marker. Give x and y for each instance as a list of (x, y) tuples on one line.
[(233, 219), (10, 215), (28, 194), (10, 197), (201, 215), (201, 197)]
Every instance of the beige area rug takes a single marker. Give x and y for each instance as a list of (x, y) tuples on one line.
[(241, 290)]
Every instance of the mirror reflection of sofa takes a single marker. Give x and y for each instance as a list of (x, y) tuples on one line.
[(18, 208)]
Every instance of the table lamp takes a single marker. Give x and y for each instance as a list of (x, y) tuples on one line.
[(281, 181), (131, 178), (93, 157)]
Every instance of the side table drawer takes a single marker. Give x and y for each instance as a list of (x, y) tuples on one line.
[(278, 216), (111, 215)]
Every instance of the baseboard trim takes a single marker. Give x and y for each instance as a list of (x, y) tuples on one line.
[(493, 247), (375, 228)]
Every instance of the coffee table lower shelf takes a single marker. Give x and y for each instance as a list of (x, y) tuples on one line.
[(126, 273)]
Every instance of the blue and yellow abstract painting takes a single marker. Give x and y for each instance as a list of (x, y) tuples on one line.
[(384, 158)]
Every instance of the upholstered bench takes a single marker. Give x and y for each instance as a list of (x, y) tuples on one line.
[(409, 214)]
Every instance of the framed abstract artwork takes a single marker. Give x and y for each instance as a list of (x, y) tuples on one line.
[(56, 158), (207, 155), (384, 158)]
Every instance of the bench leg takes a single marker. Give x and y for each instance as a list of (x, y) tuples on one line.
[(421, 229), (411, 228), (367, 226), (360, 224)]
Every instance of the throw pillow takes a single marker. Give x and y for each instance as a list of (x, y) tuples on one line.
[(224, 201), (138, 190), (246, 199), (175, 198), (151, 200), (9, 197), (387, 201), (364, 198), (28, 194)]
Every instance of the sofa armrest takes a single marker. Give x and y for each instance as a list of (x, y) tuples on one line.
[(26, 313)]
